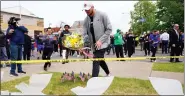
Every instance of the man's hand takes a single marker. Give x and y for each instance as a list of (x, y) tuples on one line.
[(98, 44), (80, 50), (173, 45), (11, 31)]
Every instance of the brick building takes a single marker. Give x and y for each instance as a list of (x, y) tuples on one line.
[(34, 24)]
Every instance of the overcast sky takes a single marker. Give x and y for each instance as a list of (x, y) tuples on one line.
[(69, 11)]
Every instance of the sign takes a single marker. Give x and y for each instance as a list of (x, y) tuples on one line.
[(40, 23), (1, 18), (142, 20)]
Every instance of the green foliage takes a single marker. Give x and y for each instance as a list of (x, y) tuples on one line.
[(170, 12), (143, 9), (159, 16)]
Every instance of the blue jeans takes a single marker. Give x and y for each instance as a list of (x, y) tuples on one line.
[(15, 54), (3, 55), (164, 46)]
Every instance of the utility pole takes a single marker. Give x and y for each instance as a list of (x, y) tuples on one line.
[(141, 18), (49, 24), (20, 9)]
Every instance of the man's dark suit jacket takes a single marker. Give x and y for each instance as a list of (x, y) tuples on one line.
[(173, 38)]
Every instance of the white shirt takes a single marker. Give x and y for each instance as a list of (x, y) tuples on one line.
[(164, 36)]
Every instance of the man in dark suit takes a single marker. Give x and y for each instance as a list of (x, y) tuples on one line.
[(27, 46), (174, 42)]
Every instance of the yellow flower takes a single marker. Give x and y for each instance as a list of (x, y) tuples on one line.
[(73, 41)]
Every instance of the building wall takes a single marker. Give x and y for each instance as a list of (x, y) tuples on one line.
[(77, 27), (32, 23)]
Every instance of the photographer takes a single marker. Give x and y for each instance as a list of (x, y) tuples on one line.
[(16, 35)]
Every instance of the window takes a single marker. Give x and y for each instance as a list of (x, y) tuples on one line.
[(1, 18), (40, 23)]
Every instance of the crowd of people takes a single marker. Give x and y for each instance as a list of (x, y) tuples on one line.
[(98, 37)]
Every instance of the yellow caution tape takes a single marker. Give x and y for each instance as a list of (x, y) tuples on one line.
[(81, 60)]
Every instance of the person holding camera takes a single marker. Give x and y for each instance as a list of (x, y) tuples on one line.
[(15, 34)]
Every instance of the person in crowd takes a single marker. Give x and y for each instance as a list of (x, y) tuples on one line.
[(48, 40), (130, 44), (40, 46), (136, 41), (27, 47), (141, 41), (60, 44), (160, 43), (65, 51), (125, 44), (164, 38), (3, 54), (181, 42), (111, 45), (32, 47), (118, 41), (16, 35), (98, 27), (147, 44), (154, 39), (56, 46), (8, 48), (174, 43)]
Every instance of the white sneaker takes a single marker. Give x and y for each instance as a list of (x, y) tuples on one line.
[(108, 75), (78, 56), (154, 60)]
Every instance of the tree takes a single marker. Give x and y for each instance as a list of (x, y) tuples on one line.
[(143, 9), (170, 12)]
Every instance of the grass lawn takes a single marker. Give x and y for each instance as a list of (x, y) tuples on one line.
[(168, 67), (119, 86)]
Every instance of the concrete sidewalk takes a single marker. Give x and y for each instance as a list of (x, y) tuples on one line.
[(126, 69)]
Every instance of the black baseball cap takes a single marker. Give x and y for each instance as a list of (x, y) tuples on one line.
[(66, 26)]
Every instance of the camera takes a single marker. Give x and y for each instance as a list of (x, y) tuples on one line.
[(13, 21)]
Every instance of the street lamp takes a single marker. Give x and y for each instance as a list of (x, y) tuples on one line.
[(50, 24), (61, 24), (20, 8)]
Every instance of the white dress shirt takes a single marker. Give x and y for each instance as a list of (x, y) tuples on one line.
[(164, 36)]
